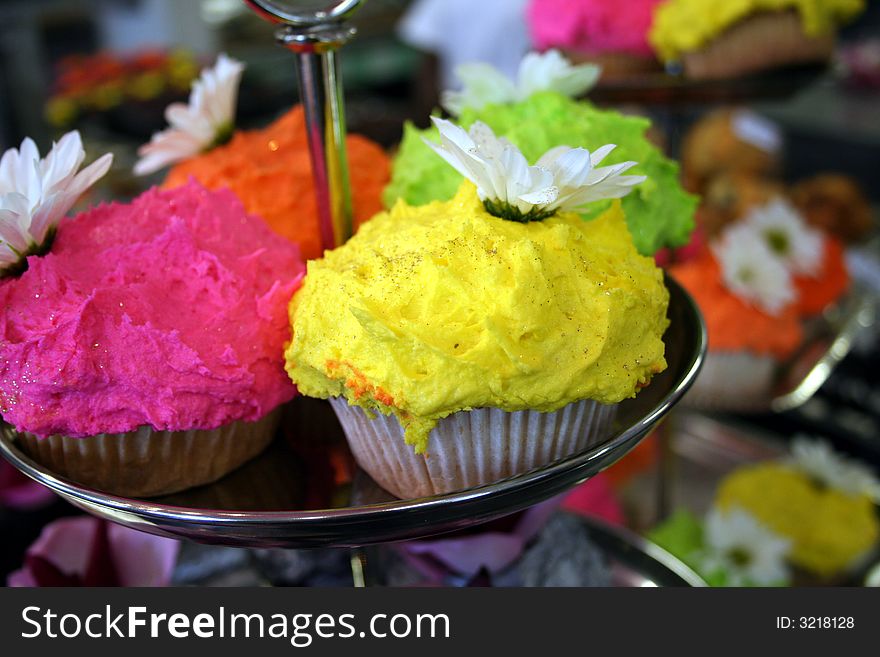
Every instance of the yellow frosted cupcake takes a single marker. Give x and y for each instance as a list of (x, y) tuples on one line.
[(822, 502), (716, 40), (459, 347)]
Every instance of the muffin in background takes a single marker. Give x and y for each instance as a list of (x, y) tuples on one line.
[(836, 204), (729, 196), (757, 284), (730, 141)]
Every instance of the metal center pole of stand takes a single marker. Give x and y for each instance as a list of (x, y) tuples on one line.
[(321, 94)]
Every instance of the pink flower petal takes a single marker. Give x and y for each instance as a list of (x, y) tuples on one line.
[(71, 550), (595, 497), (143, 559), (490, 551)]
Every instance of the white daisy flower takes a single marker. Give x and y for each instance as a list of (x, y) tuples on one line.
[(787, 234), (746, 550), (551, 71), (482, 84), (563, 179), (36, 193), (817, 459), (207, 121), (751, 270)]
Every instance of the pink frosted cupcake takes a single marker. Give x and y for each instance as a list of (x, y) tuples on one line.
[(142, 354), (614, 35)]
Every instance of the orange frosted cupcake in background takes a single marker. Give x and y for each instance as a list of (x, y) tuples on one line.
[(760, 279), (268, 169), (815, 260), (747, 340)]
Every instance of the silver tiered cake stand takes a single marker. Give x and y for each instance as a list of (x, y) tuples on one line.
[(272, 501)]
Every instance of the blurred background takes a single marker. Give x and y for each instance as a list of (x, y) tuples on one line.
[(108, 68)]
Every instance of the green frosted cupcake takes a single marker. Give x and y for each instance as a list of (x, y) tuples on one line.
[(659, 212)]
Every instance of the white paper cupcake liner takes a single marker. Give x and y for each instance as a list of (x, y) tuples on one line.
[(470, 448), (732, 381), (146, 462)]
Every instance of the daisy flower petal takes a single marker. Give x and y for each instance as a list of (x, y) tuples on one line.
[(551, 71), (201, 124), (745, 549), (601, 153), (751, 271), (36, 193), (483, 84), (817, 459), (787, 234)]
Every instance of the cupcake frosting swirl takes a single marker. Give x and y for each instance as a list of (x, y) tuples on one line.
[(440, 308), (167, 312)]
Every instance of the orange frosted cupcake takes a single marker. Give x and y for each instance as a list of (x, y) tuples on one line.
[(814, 260), (747, 299), (270, 171), (732, 322), (762, 277)]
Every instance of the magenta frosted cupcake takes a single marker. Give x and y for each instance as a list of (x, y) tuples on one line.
[(613, 35), (143, 354)]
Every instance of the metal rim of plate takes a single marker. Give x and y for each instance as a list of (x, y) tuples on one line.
[(634, 556), (399, 519)]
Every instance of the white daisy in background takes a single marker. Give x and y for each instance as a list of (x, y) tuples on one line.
[(207, 121), (563, 179), (35, 193), (736, 543), (751, 270), (817, 459), (787, 234), (482, 84), (550, 71)]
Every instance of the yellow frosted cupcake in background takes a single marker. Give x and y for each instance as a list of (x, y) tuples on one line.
[(465, 341), (718, 40), (821, 501)]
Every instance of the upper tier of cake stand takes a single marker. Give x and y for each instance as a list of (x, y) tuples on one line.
[(275, 501)]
